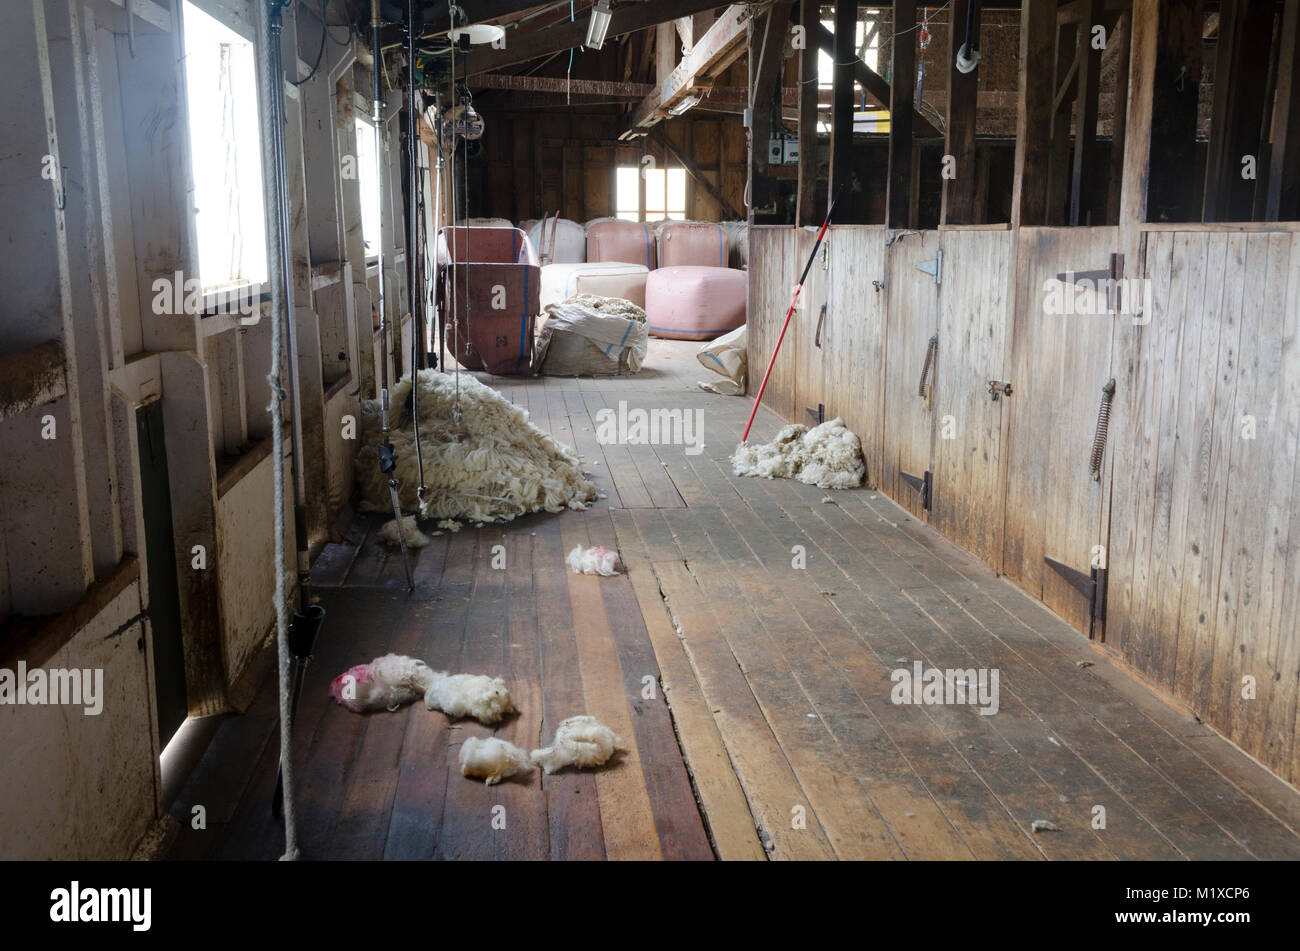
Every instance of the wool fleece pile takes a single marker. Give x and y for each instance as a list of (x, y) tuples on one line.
[(490, 466), (828, 456)]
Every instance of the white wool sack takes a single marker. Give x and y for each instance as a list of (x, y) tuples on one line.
[(580, 741), (486, 699), (491, 759), (727, 355), (558, 241), (593, 561), (590, 335), (385, 683), (410, 531), (828, 456), (490, 465)]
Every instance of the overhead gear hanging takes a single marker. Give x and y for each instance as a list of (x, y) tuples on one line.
[(387, 452)]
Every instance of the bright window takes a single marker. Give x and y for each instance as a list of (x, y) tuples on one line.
[(826, 65), (665, 193), (225, 150), (627, 188), (368, 179)]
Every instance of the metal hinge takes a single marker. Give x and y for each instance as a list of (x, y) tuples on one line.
[(1110, 278), (818, 415), (923, 484), (1092, 586), (934, 266)]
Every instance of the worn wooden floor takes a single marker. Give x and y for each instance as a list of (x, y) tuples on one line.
[(779, 737)]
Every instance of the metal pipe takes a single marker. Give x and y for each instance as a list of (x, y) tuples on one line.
[(412, 238), (387, 452), (376, 117)]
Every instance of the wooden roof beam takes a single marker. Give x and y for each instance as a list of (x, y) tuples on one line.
[(627, 18), (717, 49)]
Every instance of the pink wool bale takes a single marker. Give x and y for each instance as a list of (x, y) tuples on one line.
[(697, 244), (627, 242), (695, 303)]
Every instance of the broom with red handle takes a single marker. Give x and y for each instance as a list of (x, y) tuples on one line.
[(821, 233)]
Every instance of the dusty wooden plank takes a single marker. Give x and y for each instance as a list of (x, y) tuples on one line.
[(627, 815), (730, 825), (759, 757), (677, 816)]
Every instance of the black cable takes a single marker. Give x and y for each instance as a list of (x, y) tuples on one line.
[(320, 53)]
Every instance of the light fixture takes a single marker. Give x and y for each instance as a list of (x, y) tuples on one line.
[(599, 25), (688, 103), (479, 34)]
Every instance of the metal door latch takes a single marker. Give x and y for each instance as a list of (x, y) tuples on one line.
[(998, 388)]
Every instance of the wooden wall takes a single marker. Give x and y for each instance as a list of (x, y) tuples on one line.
[(1192, 513), (536, 164)]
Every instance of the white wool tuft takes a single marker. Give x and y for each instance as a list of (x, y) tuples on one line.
[(579, 741), (828, 456), (491, 759), (410, 530), (593, 561), (491, 465), (450, 524), (385, 683), (486, 699)]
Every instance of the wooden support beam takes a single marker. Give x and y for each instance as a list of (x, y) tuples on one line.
[(875, 85), (1283, 199), (717, 49), (958, 203), (770, 58), (1122, 34), (566, 35), (693, 170), (560, 85), (1034, 115), (1085, 116), (843, 56), (807, 211), (1240, 81), (900, 200)]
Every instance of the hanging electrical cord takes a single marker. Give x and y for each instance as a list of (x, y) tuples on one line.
[(387, 451), (320, 53)]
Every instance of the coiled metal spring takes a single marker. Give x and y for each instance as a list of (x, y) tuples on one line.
[(1103, 424), (930, 350)]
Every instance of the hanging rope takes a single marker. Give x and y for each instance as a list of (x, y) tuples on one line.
[(271, 77)]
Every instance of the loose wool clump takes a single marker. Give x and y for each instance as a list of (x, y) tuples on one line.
[(486, 699), (580, 741), (491, 759), (828, 456), (409, 530), (385, 683), (593, 561), (487, 463)]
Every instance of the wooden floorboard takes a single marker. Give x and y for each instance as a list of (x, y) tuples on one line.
[(752, 689)]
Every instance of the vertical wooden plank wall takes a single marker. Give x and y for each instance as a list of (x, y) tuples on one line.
[(1193, 511), (1203, 531)]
